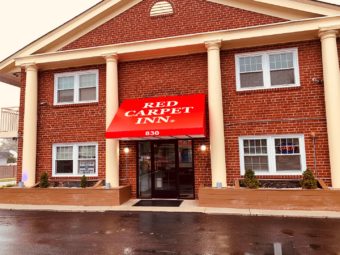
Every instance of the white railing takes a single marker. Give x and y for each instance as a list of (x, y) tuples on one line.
[(9, 120)]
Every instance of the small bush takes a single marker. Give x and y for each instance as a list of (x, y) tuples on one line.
[(83, 182), (250, 180), (44, 183), (11, 159), (308, 180)]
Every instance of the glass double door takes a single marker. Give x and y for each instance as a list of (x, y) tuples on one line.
[(166, 169)]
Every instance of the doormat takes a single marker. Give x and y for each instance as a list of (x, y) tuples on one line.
[(160, 203)]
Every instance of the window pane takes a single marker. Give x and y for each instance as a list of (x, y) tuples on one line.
[(185, 153), (65, 153), (64, 166), (87, 94), (87, 159), (87, 152), (250, 64), (87, 167), (288, 162), (249, 80), (65, 96), (144, 164), (281, 61), (186, 170), (284, 146), (282, 77), (255, 146), (65, 82), (256, 163), (87, 80), (264, 146)]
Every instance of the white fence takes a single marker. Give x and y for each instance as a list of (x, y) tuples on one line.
[(9, 120)]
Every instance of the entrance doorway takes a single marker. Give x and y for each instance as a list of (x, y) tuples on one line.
[(165, 169)]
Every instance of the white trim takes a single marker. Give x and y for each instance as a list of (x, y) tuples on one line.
[(271, 154), (292, 10), (185, 44), (117, 8), (76, 76), (266, 68), (75, 158)]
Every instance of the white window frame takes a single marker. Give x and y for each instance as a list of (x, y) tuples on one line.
[(75, 159), (266, 69), (272, 155), (76, 76)]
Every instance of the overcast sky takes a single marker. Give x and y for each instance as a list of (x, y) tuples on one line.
[(23, 21), (331, 1)]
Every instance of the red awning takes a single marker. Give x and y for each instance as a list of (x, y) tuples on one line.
[(159, 118)]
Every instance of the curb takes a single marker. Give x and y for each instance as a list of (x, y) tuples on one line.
[(186, 209)]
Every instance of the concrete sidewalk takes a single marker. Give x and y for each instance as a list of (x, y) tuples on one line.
[(186, 206)]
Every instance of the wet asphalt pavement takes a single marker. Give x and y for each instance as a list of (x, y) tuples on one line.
[(163, 233)]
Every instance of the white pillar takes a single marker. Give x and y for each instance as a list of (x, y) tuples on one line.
[(112, 104), (331, 75), (216, 118), (30, 126)]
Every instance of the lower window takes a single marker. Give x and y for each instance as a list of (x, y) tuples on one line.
[(75, 159), (273, 155)]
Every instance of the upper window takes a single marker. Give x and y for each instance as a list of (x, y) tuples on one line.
[(269, 69), (270, 155), (75, 159), (76, 87), (161, 8)]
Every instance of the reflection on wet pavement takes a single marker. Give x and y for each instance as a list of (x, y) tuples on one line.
[(164, 233)]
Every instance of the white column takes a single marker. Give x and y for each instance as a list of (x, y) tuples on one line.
[(30, 126), (112, 104), (216, 118), (331, 75)]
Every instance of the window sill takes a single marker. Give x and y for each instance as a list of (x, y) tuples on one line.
[(76, 104), (283, 173), (270, 89), (73, 176)]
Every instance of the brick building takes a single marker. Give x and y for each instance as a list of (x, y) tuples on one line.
[(168, 96)]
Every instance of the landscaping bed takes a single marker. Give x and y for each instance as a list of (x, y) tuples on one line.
[(66, 196), (271, 199), (307, 193)]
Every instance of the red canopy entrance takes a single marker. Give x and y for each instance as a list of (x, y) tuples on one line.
[(159, 118)]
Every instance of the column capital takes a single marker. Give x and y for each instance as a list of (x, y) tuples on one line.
[(213, 45), (328, 33), (112, 57), (30, 67)]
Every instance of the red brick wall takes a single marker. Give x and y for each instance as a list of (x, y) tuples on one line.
[(267, 112), (190, 16), (65, 124), (86, 122), (68, 124), (163, 77), (128, 166)]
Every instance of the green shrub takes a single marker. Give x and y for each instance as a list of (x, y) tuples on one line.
[(11, 159), (83, 181), (250, 180), (308, 180), (44, 183)]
